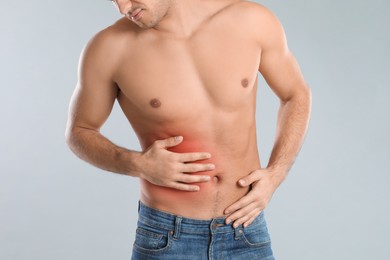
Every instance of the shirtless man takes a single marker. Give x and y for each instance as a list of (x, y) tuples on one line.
[(185, 75)]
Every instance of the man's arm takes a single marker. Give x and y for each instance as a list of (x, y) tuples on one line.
[(90, 106), (282, 73)]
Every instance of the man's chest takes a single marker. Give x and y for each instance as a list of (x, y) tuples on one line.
[(214, 68)]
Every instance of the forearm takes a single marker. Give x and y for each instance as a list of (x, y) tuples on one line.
[(92, 147), (293, 118)]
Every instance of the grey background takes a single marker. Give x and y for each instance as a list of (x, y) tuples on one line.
[(333, 205)]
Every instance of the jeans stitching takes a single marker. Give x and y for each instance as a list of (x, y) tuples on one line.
[(154, 251)]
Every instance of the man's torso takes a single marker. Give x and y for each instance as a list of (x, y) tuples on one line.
[(202, 88)]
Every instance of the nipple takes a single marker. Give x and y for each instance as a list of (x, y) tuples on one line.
[(155, 103), (244, 83)]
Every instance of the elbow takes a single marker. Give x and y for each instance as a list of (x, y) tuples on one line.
[(307, 95), (69, 135), (301, 94), (304, 100), (73, 139), (76, 135)]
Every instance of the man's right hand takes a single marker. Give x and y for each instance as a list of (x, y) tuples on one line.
[(173, 170)]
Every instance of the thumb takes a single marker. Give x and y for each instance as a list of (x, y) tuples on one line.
[(249, 179), (170, 142)]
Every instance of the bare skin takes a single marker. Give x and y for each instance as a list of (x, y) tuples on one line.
[(185, 76)]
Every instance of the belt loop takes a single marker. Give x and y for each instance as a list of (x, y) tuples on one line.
[(177, 227), (238, 233)]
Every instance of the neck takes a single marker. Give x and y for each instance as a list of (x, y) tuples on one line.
[(184, 17)]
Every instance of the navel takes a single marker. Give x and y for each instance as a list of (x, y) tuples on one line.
[(244, 83), (155, 103)]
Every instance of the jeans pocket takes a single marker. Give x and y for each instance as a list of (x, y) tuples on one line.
[(257, 238), (151, 240)]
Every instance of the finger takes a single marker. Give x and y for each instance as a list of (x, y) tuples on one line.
[(246, 200), (243, 219), (197, 167), (184, 187), (240, 214), (170, 142), (190, 178), (249, 179), (255, 213), (191, 157)]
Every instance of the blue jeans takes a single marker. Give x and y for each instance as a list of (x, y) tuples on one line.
[(161, 235)]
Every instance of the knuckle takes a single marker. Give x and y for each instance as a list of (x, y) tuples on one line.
[(206, 166), (171, 167), (185, 188), (197, 178), (185, 178), (205, 156), (194, 168), (176, 157), (177, 186), (241, 214), (202, 156), (194, 188), (171, 161), (202, 167), (190, 188), (236, 215), (204, 178), (192, 157)]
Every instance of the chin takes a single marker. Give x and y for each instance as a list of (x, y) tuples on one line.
[(145, 25)]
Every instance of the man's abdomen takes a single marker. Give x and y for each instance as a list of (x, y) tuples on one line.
[(214, 196)]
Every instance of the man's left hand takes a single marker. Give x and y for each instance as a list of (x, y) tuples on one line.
[(245, 210)]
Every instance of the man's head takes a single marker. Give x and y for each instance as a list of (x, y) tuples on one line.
[(144, 13)]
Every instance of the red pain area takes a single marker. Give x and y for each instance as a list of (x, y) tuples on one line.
[(193, 146), (222, 184)]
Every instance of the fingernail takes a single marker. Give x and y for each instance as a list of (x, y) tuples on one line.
[(228, 221), (227, 212), (206, 178), (242, 182), (178, 138), (211, 166)]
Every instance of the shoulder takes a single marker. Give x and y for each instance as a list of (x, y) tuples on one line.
[(110, 39), (253, 10), (106, 47), (262, 22)]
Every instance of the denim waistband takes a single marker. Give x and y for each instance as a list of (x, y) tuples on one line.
[(164, 220)]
